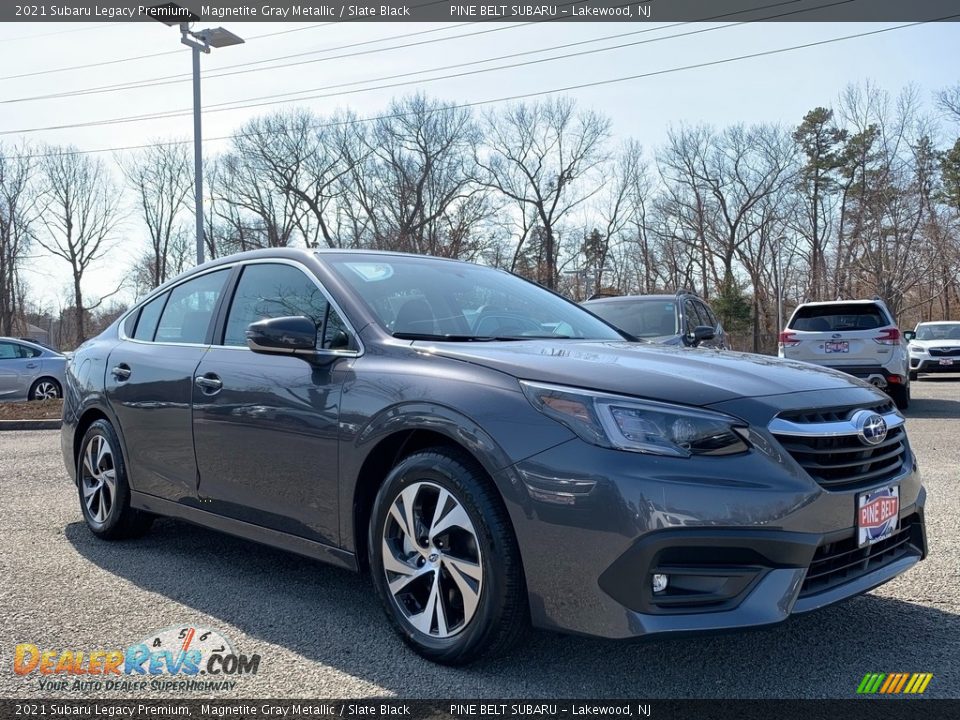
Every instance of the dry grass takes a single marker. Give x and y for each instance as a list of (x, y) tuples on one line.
[(34, 410)]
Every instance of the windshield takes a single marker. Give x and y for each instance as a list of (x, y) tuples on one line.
[(946, 331), (424, 298), (640, 317), (835, 317)]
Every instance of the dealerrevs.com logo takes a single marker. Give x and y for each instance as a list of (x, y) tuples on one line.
[(178, 658)]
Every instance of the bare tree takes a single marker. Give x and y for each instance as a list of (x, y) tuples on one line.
[(81, 210), (537, 157), (18, 204), (411, 179), (948, 100), (161, 176)]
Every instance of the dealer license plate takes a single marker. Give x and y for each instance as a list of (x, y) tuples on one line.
[(946, 361), (839, 346), (878, 514)]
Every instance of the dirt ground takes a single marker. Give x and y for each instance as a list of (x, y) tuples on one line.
[(33, 410)]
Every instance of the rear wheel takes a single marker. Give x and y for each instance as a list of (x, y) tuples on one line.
[(45, 389), (900, 395), (103, 487), (444, 560)]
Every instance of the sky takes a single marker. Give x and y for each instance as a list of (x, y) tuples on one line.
[(778, 88)]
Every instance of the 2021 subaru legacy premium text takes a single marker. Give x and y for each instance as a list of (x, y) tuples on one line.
[(491, 453)]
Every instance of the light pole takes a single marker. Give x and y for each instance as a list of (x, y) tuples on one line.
[(200, 41)]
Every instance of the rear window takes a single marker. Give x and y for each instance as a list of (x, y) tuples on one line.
[(834, 318), (640, 318)]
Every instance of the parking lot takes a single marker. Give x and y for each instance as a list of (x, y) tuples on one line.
[(320, 632)]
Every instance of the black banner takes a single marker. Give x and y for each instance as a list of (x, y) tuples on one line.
[(902, 708), (478, 11)]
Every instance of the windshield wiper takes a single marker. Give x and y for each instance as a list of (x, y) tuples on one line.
[(475, 338), (444, 338)]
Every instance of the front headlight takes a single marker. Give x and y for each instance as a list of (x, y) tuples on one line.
[(625, 423), (916, 349)]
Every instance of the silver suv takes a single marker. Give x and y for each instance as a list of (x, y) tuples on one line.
[(858, 337)]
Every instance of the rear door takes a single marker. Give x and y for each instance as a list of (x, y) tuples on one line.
[(12, 371), (149, 384), (839, 334)]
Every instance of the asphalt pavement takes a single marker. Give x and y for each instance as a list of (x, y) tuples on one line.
[(320, 633)]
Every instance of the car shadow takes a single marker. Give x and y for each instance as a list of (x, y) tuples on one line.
[(331, 617), (939, 407)]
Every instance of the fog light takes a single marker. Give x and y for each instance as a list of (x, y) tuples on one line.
[(659, 583)]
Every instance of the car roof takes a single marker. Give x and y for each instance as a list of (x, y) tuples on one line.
[(24, 341), (626, 298), (840, 302), (301, 253)]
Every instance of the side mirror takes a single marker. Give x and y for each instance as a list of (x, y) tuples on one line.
[(699, 334), (283, 336), (909, 335)]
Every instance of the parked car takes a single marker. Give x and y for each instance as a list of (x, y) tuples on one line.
[(682, 319), (29, 371), (934, 347), (858, 337), (492, 454)]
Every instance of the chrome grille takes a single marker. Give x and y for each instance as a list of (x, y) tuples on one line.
[(826, 444)]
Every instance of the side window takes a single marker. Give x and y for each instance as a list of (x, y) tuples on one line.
[(706, 314), (149, 317), (8, 351), (188, 312), (690, 317), (278, 290), (29, 352)]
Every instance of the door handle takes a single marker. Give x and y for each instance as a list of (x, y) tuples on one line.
[(121, 372), (209, 383), (31, 366)]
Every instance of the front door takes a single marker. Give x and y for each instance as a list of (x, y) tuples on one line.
[(266, 426)]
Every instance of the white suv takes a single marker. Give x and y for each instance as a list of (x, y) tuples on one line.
[(858, 337), (934, 347)]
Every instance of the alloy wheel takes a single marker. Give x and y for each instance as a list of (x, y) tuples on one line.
[(99, 479), (432, 560), (46, 390)]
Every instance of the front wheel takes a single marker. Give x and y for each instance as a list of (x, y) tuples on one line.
[(103, 487), (444, 560)]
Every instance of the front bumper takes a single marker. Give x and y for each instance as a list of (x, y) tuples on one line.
[(747, 540), (933, 365)]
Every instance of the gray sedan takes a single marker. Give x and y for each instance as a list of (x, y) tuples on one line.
[(29, 371)]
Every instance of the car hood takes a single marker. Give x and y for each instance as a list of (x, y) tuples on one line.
[(684, 375), (926, 344)]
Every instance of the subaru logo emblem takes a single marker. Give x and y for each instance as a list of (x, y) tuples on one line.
[(871, 428)]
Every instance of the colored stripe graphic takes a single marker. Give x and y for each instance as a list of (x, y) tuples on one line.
[(894, 683)]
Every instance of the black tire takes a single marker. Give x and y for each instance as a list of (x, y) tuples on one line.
[(500, 618), (108, 515), (57, 390), (900, 395), (914, 375)]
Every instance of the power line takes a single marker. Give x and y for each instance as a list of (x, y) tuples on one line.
[(523, 96), (181, 78), (269, 99), (134, 58), (257, 101), (56, 32), (132, 86)]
